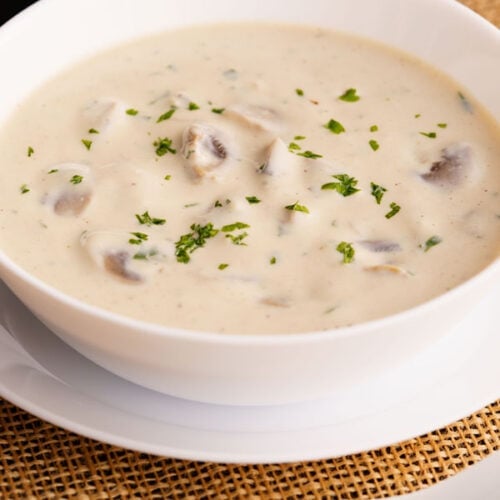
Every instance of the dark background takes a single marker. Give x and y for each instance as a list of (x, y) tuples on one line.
[(9, 9)]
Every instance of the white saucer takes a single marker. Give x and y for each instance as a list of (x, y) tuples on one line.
[(42, 375)]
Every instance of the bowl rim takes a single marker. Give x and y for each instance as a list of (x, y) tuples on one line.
[(265, 339)]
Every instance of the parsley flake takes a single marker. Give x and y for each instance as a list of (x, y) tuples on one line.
[(293, 146), (93, 131), (347, 250), (76, 179), (430, 135), (223, 266), (167, 115), (238, 239), (310, 155), (374, 128), (299, 92), (297, 208), (395, 209), (24, 189), (30, 151), (299, 138), (218, 111), (432, 242), (167, 177), (146, 220), (132, 112), (273, 261), (350, 95), (253, 200), (87, 143), (335, 127), (164, 146), (442, 125), (374, 145), (234, 227), (53, 171), (346, 186), (193, 106), (139, 238), (378, 192), (190, 242)]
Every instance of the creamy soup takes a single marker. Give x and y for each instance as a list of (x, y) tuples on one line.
[(251, 179)]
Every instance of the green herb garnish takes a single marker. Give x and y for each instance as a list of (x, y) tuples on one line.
[(432, 242), (223, 266), (193, 106), (218, 111), (430, 135), (190, 242), (374, 145), (395, 209), (87, 143), (374, 128), (76, 179), (442, 125), (310, 155), (347, 250), (167, 115), (346, 186), (293, 146), (335, 127), (167, 177), (253, 200), (350, 96), (297, 208), (132, 112), (378, 192), (138, 239), (30, 151), (24, 189), (299, 92), (53, 171), (273, 261), (238, 239), (234, 227), (164, 146), (146, 220), (93, 131), (299, 138)]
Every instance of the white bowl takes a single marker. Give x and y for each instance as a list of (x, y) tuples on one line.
[(236, 369)]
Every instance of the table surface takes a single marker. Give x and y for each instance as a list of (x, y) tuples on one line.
[(39, 460)]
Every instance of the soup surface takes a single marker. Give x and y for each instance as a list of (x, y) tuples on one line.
[(251, 179)]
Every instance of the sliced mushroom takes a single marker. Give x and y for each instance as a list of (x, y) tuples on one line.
[(117, 263), (381, 246), (259, 117), (68, 189), (102, 114), (114, 252), (203, 148), (454, 165), (277, 159)]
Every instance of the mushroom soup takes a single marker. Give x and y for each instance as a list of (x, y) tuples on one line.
[(251, 179)]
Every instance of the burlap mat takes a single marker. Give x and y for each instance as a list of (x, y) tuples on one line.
[(40, 461)]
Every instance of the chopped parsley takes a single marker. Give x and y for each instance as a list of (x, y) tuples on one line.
[(190, 242), (418, 115), (374, 128), (53, 171), (395, 209), (193, 106), (374, 145), (299, 138), (167, 115), (223, 266), (132, 112), (253, 200), (335, 127), (138, 239), (30, 151), (346, 186), (297, 208), (93, 131), (442, 125), (24, 189), (299, 92), (167, 177), (218, 111), (347, 250), (218, 203), (293, 146), (430, 135), (234, 227), (164, 146), (432, 242), (87, 143), (273, 261), (146, 220), (310, 155), (145, 256), (76, 179), (350, 95), (378, 192), (238, 239)]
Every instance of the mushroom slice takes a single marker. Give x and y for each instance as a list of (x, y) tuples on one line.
[(277, 159), (102, 114), (203, 148), (381, 246), (117, 263), (258, 117), (388, 269), (451, 169), (68, 189)]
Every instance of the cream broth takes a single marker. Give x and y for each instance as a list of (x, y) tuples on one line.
[(251, 179)]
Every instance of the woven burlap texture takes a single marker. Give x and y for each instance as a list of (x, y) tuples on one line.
[(39, 461)]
